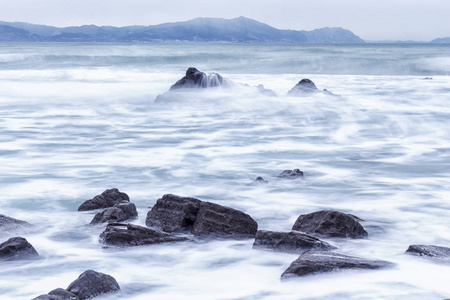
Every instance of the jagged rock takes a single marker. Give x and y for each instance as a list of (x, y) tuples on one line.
[(107, 199), (292, 242), (17, 248), (197, 79), (135, 235), (58, 294), (306, 87), (8, 223), (91, 284), (429, 251), (118, 213), (313, 262), (291, 174), (330, 223), (174, 213)]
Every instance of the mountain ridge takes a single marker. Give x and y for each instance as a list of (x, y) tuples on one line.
[(239, 29)]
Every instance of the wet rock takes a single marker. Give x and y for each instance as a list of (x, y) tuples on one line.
[(429, 251), (91, 284), (174, 213), (314, 262), (197, 79), (306, 87), (58, 294), (17, 248), (330, 223), (118, 213), (291, 174), (292, 242), (10, 224), (133, 235), (106, 199)]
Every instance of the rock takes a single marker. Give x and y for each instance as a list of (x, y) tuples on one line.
[(17, 248), (174, 213), (330, 223), (259, 180), (306, 87), (292, 242), (429, 251), (196, 79), (91, 284), (291, 174), (118, 213), (262, 90), (135, 235), (313, 262), (8, 223), (107, 199), (58, 294)]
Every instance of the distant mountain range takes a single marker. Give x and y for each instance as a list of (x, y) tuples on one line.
[(201, 29)]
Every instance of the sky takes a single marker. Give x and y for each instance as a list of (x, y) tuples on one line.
[(369, 19)]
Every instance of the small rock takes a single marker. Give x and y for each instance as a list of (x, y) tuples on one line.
[(291, 174), (8, 223), (330, 223), (135, 235), (292, 242), (118, 213), (314, 262), (429, 251), (262, 90), (58, 294), (91, 284), (17, 248), (306, 87), (107, 199), (174, 213)]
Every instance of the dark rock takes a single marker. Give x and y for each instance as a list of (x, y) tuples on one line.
[(220, 220), (291, 174), (107, 199), (292, 242), (8, 223), (196, 79), (58, 294), (120, 212), (313, 262), (135, 235), (260, 180), (92, 283), (173, 213), (262, 90), (330, 223), (429, 251), (306, 87), (17, 248)]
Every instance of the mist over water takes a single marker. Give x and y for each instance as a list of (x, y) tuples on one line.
[(76, 119)]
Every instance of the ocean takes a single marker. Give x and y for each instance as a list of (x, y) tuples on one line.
[(77, 119)]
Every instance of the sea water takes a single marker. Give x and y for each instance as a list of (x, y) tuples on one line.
[(77, 119)]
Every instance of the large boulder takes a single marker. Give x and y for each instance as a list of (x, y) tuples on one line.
[(173, 213), (133, 235), (429, 251), (118, 213), (313, 262), (10, 224), (330, 223), (291, 174), (292, 242), (306, 87), (17, 248), (197, 79), (91, 284), (58, 294), (108, 198)]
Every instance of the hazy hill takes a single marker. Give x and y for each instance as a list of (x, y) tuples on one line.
[(445, 40), (201, 29)]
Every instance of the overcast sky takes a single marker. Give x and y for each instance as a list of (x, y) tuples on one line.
[(369, 19)]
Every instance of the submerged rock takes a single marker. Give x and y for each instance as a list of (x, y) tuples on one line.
[(306, 87), (118, 213), (429, 251), (262, 90), (10, 224), (330, 223), (292, 242), (106, 199), (133, 235), (174, 213), (91, 284), (17, 248), (291, 174), (314, 262)]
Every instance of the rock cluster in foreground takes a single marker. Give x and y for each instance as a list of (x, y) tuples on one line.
[(88, 285)]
